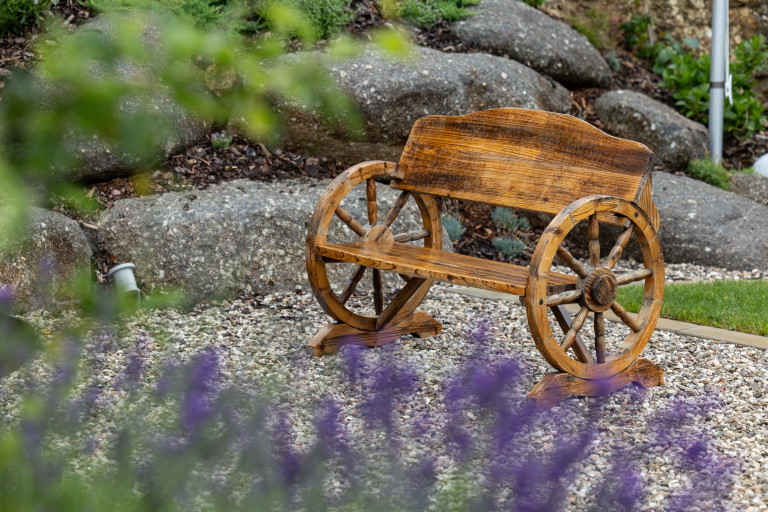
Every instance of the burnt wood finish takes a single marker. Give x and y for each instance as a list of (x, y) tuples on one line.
[(533, 160), (438, 265), (598, 289), (330, 338), (328, 208), (551, 390)]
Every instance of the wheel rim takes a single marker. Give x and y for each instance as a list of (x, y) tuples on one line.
[(335, 296), (596, 290)]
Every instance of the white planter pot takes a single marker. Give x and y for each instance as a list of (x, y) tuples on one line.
[(123, 279)]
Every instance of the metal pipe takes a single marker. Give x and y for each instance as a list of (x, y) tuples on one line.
[(718, 75)]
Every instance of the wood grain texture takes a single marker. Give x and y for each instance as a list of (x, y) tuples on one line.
[(328, 207), (537, 288), (331, 337), (554, 387), (438, 265), (533, 160)]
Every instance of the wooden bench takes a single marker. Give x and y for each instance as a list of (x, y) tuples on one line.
[(523, 159)]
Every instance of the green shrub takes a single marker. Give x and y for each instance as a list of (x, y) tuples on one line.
[(202, 13), (220, 140), (508, 246), (15, 14), (710, 172), (507, 220), (686, 74), (327, 17), (419, 12), (598, 27), (426, 13), (534, 3), (453, 227), (635, 35)]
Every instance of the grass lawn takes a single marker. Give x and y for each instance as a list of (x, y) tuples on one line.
[(735, 305)]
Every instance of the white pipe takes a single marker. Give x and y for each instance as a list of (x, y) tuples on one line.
[(718, 75)]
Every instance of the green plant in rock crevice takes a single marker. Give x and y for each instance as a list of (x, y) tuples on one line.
[(426, 13), (509, 245), (15, 14), (710, 172), (452, 226), (327, 17)]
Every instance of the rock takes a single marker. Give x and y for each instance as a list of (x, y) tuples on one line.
[(39, 265), (97, 160), (761, 166), (511, 28), (392, 95), (673, 137), (706, 225), (751, 186), (236, 237)]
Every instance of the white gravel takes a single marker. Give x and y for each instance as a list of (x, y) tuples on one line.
[(262, 340)]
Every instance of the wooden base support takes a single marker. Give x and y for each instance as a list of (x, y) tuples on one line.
[(332, 336), (551, 390)]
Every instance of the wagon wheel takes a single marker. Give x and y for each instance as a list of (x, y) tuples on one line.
[(379, 225), (596, 289)]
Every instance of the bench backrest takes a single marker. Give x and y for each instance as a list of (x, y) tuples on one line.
[(527, 159)]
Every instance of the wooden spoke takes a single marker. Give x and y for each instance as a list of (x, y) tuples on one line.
[(599, 337), (352, 284), (564, 298), (579, 348), (347, 219), (593, 230), (621, 243), (637, 275), (399, 301), (578, 323), (370, 194), (625, 317), (413, 235), (395, 211), (378, 292), (572, 262)]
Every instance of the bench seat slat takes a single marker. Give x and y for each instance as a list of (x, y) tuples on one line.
[(438, 265)]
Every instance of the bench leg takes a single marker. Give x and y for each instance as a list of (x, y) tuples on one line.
[(332, 336), (551, 389)]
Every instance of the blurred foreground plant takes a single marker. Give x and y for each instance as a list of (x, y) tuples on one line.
[(190, 438)]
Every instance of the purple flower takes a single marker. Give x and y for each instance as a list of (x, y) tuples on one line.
[(7, 296), (199, 389), (288, 461), (134, 365), (353, 361), (387, 384), (330, 433)]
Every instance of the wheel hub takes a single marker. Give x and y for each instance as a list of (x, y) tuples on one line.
[(600, 289)]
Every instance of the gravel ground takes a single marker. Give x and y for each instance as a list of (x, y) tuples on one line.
[(261, 340)]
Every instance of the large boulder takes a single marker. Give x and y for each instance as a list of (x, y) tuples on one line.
[(236, 237), (174, 128), (673, 137), (511, 28), (706, 225), (750, 185), (38, 266), (392, 94)]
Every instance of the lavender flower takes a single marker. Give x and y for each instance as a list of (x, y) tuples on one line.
[(134, 366), (199, 390)]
